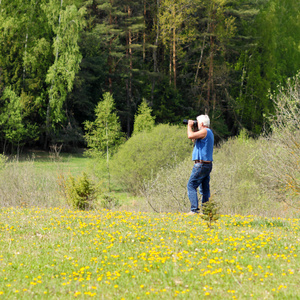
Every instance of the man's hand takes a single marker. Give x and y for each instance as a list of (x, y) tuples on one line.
[(201, 134), (191, 123)]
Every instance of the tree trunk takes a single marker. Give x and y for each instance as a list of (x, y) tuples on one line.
[(129, 80), (110, 57), (18, 151), (201, 55), (49, 102), (170, 64), (174, 52), (144, 33), (210, 74), (130, 59), (155, 53), (210, 84), (107, 156), (5, 142)]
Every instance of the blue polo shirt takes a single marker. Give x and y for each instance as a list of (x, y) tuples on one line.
[(203, 149)]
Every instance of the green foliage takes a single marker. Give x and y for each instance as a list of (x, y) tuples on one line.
[(104, 134), (177, 16), (183, 56), (12, 120), (243, 136), (11, 117), (79, 192), (250, 108), (60, 76), (25, 55), (268, 62), (145, 153), (143, 120), (210, 212)]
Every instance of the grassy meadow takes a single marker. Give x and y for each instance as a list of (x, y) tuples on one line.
[(48, 250), (58, 253)]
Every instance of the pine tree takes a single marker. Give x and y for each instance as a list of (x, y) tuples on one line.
[(176, 28)]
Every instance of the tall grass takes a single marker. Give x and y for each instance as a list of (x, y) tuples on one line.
[(35, 181), (238, 182), (282, 159), (23, 185)]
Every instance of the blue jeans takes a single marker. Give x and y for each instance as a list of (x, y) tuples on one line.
[(200, 177)]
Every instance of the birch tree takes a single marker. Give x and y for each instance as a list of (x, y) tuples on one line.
[(66, 22)]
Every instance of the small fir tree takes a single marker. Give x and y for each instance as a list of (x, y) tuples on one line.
[(210, 212), (79, 192), (104, 135), (143, 120)]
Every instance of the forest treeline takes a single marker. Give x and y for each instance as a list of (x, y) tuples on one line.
[(184, 57)]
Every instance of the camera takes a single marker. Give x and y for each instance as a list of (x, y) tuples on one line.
[(195, 125)]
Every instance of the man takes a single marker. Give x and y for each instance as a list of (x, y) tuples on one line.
[(202, 157)]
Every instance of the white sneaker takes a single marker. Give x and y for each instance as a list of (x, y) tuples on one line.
[(191, 213)]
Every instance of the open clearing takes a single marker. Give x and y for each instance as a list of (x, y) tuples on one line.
[(59, 253)]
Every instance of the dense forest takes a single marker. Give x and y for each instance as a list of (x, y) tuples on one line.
[(183, 57)]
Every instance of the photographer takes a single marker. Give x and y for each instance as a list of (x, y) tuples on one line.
[(202, 157)]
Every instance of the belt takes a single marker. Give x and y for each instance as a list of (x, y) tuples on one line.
[(202, 162)]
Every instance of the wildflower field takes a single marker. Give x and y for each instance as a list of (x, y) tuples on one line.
[(65, 254)]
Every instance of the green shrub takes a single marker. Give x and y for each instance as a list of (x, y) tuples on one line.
[(109, 201), (145, 153), (79, 192)]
